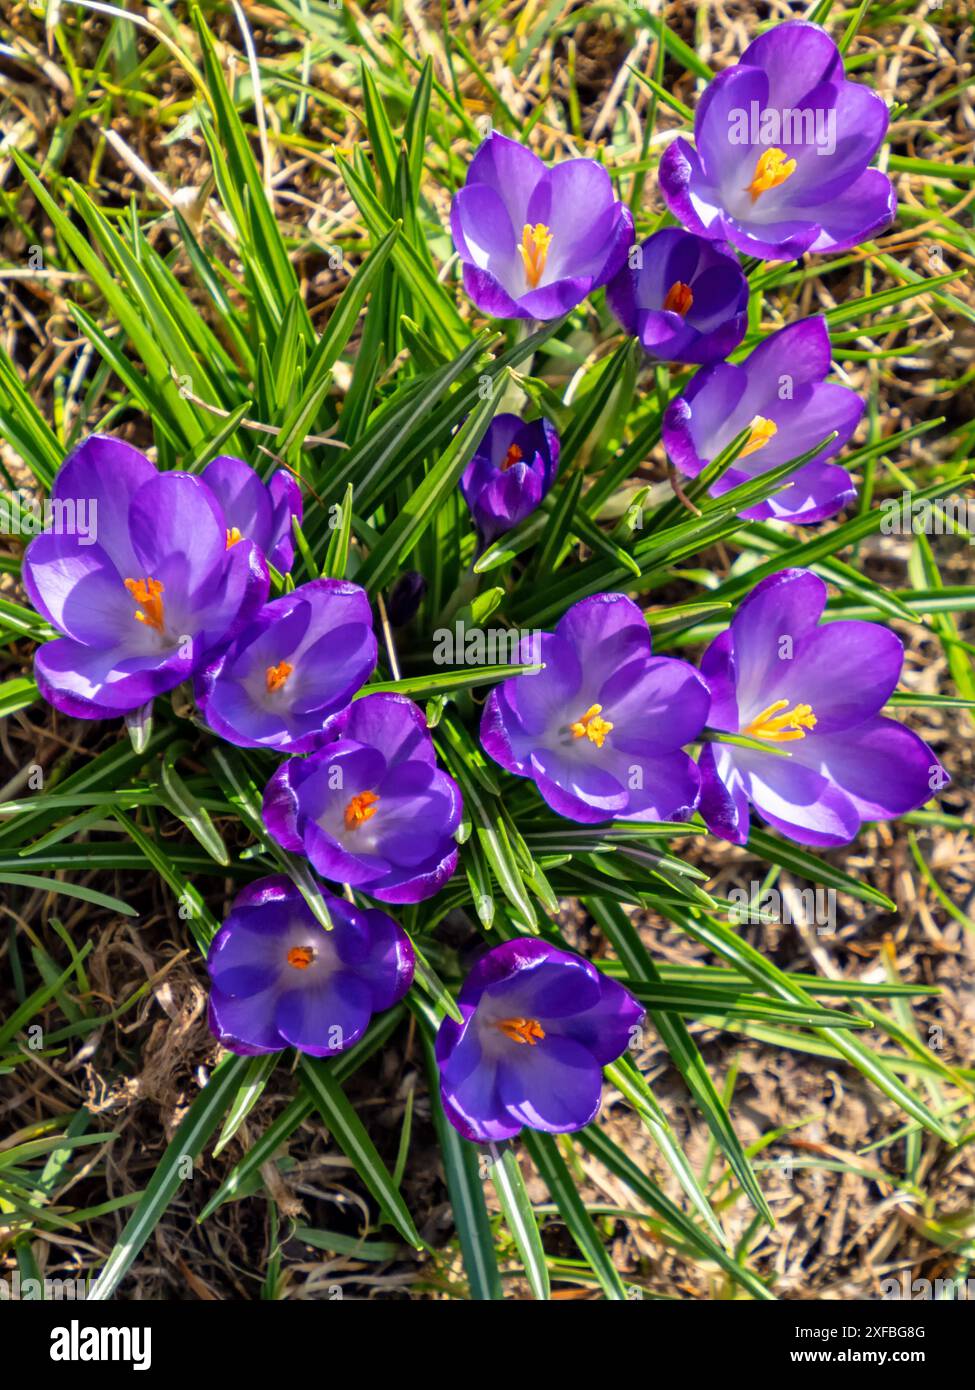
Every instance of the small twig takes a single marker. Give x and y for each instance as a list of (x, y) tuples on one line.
[(256, 424), (679, 492), (388, 637)]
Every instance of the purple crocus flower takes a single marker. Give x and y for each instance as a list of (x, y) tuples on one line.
[(779, 392), (685, 299), (511, 471), (535, 241), (371, 808), (600, 729), (259, 511), (143, 591), (300, 661), (539, 1026), (279, 979), (783, 143), (814, 692)]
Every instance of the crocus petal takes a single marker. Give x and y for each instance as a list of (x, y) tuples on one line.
[(884, 768), (862, 211), (556, 1087), (768, 628), (797, 800), (608, 1028), (106, 474), (243, 497), (846, 670), (796, 56), (724, 800), (815, 493), (327, 1018), (389, 967), (245, 1025), (78, 590)]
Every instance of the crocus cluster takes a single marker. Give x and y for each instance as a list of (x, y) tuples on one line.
[(170, 582), (783, 142)]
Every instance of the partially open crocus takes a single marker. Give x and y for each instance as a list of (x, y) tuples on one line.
[(684, 298), (144, 599), (539, 1025), (300, 661), (812, 693), (601, 727), (371, 808), (512, 469), (783, 142), (535, 241), (780, 395), (279, 979), (261, 512)]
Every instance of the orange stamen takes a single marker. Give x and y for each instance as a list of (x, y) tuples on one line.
[(301, 957), (360, 809), (521, 1030), (680, 298), (147, 593), (276, 676), (513, 456), (782, 728), (233, 536), (762, 431), (535, 242), (771, 169), (591, 726)]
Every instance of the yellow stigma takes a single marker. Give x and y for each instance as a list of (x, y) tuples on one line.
[(360, 809), (762, 431), (147, 593), (513, 456), (590, 726), (233, 536), (680, 298), (535, 242), (771, 169), (301, 957), (782, 728), (276, 676), (521, 1030)]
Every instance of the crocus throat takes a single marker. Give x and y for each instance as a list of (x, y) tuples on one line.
[(779, 724), (591, 726), (148, 593), (360, 809), (300, 957), (762, 431), (680, 298), (513, 456), (535, 242), (771, 169), (276, 676), (521, 1030), (233, 536)]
